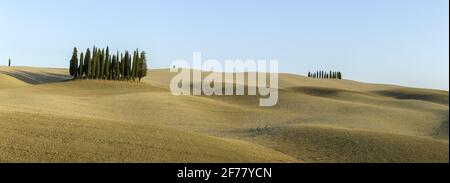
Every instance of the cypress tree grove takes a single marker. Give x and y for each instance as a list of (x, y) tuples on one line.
[(74, 63), (325, 75), (100, 64)]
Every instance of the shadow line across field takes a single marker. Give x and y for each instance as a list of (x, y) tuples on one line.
[(35, 78)]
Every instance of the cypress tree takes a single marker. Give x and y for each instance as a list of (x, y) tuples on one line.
[(122, 66), (9, 62), (94, 69), (134, 70), (133, 64), (127, 65), (118, 65), (106, 63), (81, 68), (74, 63), (113, 67), (110, 67), (97, 65), (142, 66), (107, 76), (87, 63), (101, 64), (93, 63), (136, 66)]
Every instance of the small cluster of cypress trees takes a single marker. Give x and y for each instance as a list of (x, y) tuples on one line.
[(325, 75), (100, 64)]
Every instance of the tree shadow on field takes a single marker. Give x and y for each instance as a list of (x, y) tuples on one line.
[(37, 78)]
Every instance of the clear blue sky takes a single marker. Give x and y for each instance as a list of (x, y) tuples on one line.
[(403, 42)]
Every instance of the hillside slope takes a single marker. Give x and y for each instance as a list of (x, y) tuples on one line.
[(46, 118)]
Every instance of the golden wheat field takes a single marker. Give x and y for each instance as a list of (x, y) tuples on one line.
[(46, 117)]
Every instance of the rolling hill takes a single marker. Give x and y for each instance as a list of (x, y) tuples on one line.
[(46, 117)]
